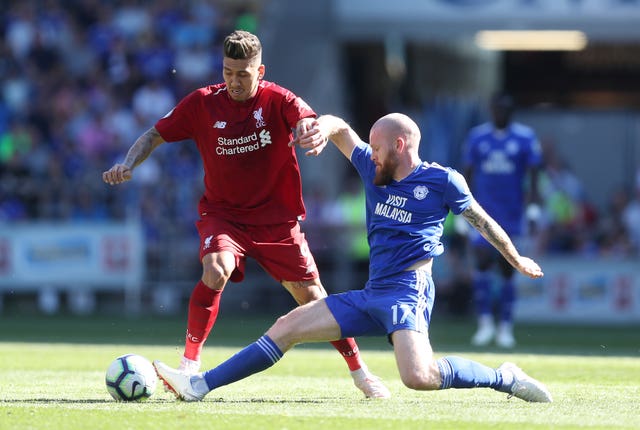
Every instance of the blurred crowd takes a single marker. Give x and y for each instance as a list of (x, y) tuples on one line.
[(80, 80), (572, 224)]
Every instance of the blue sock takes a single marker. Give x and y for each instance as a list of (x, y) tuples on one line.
[(507, 299), (458, 372), (255, 358), (482, 292)]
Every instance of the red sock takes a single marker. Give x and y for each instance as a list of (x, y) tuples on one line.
[(203, 311), (349, 350)]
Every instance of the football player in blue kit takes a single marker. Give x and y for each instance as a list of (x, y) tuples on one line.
[(407, 201), (501, 156)]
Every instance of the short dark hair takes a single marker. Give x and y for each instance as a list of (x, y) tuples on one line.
[(242, 45)]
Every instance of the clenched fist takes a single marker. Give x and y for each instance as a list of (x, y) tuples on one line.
[(118, 174)]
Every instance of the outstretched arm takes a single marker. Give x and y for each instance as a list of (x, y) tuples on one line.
[(138, 152), (323, 129), (492, 231)]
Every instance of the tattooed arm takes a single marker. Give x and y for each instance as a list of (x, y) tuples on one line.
[(138, 152), (491, 230)]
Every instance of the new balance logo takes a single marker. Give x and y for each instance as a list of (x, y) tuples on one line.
[(220, 124)]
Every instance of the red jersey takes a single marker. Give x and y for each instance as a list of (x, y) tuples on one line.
[(251, 176)]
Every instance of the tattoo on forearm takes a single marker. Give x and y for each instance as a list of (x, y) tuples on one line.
[(491, 230), (475, 218), (141, 148)]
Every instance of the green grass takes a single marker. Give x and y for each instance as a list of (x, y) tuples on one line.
[(52, 377)]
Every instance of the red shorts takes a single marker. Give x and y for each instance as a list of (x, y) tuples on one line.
[(281, 249)]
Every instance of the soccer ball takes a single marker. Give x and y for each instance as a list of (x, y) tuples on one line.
[(131, 377)]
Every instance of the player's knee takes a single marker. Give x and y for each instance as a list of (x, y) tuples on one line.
[(282, 334), (217, 268), (215, 276)]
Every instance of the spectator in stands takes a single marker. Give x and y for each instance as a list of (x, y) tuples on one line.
[(568, 215), (614, 239), (631, 216)]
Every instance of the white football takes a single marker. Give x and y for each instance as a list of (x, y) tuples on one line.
[(131, 377)]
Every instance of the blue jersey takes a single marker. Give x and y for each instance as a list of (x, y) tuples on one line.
[(500, 161), (405, 219)]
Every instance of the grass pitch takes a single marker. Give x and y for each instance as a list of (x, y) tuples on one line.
[(52, 377)]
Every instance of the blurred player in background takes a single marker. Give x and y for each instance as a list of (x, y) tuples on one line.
[(501, 158), (252, 202), (407, 201)]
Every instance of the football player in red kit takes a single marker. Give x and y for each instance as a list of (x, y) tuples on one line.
[(252, 201)]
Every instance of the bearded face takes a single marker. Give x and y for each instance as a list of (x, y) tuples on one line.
[(384, 171)]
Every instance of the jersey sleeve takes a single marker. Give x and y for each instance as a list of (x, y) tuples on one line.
[(177, 124), (295, 109), (457, 194)]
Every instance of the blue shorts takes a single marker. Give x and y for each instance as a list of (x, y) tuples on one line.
[(403, 301)]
